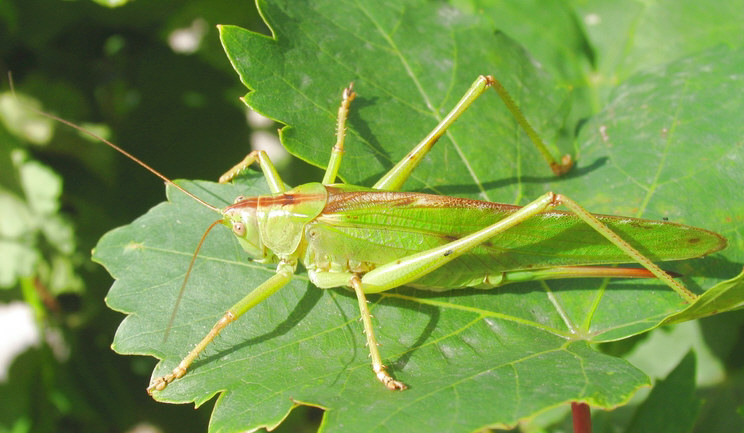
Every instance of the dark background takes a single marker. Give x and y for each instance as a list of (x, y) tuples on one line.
[(178, 112)]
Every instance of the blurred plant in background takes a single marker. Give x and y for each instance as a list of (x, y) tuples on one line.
[(153, 78)]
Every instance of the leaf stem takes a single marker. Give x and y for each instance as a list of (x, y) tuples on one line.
[(582, 417)]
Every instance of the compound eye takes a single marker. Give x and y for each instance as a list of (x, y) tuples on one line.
[(238, 199), (238, 228)]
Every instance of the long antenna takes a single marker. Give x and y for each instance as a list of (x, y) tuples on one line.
[(185, 280), (115, 147)]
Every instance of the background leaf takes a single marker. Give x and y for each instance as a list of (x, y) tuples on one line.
[(472, 358), (114, 67), (672, 405)]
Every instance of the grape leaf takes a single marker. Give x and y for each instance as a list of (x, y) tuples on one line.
[(471, 358)]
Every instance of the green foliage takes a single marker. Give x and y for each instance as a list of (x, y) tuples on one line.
[(672, 406), (643, 94), (37, 243), (113, 67), (472, 358)]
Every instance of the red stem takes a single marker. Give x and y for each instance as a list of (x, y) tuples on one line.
[(582, 418)]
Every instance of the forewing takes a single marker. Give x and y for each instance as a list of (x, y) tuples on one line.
[(380, 227)]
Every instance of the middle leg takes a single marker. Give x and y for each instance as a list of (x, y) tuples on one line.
[(374, 353), (338, 148)]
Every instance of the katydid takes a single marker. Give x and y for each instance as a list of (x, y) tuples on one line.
[(376, 239)]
